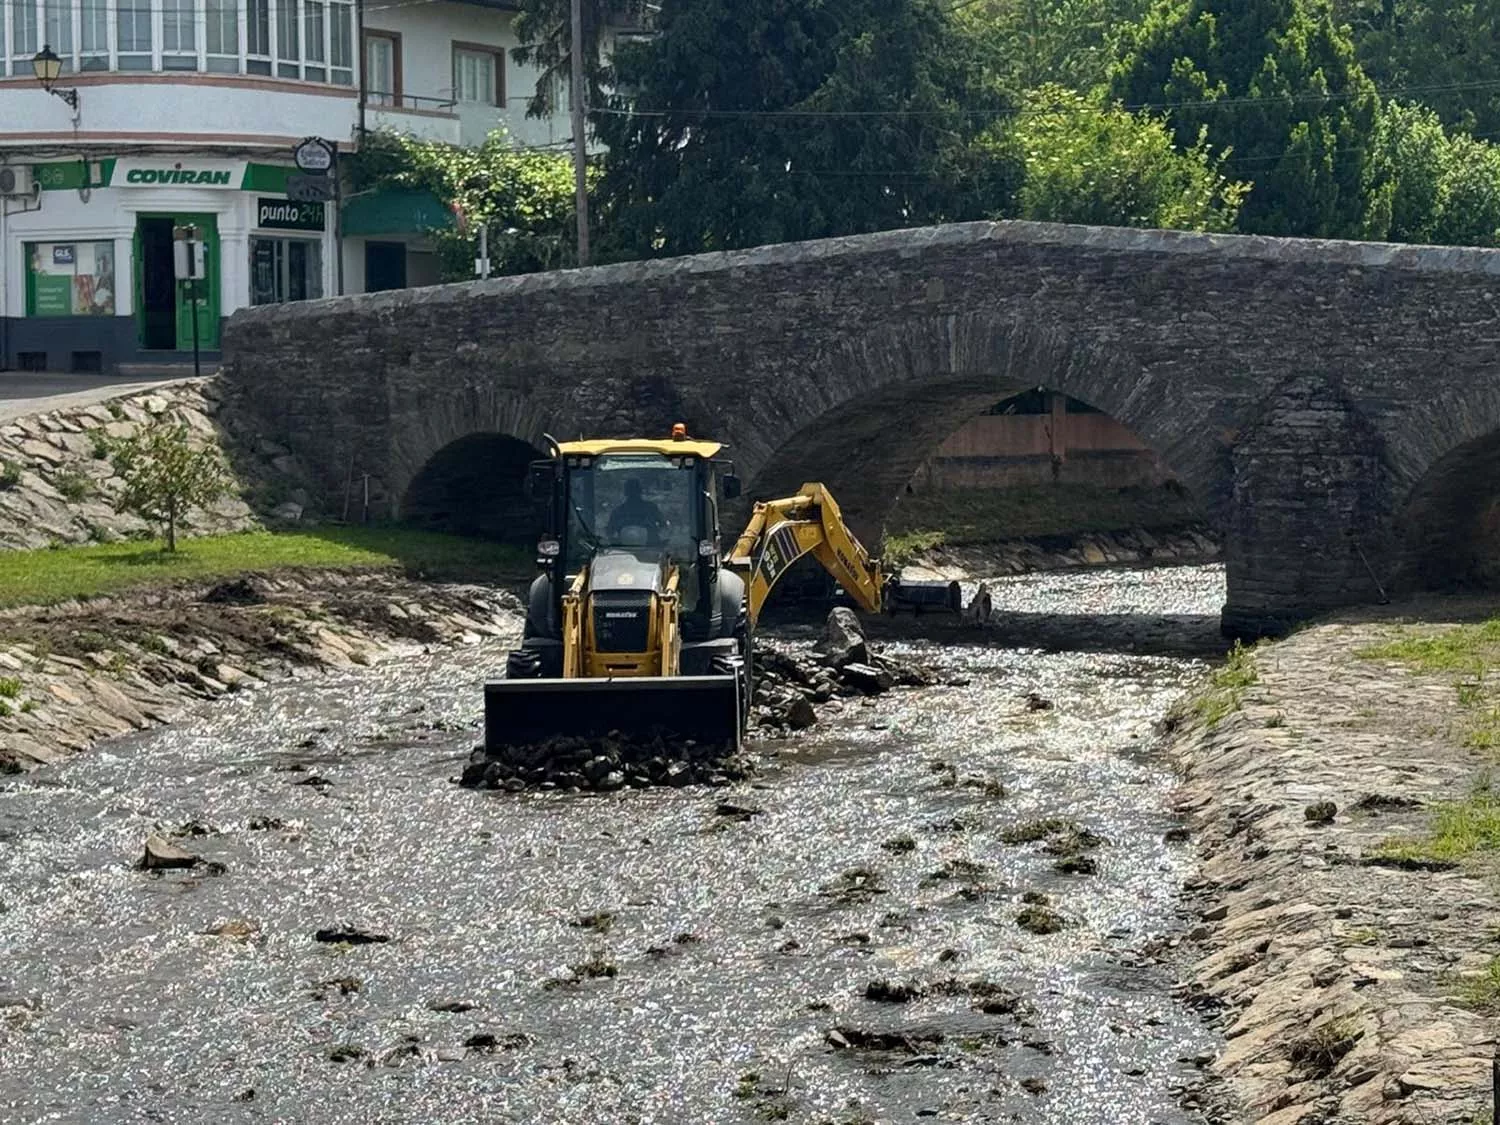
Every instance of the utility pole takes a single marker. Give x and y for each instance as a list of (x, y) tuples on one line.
[(576, 104)]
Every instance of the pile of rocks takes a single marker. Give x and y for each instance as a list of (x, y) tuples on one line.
[(573, 764), (789, 689)]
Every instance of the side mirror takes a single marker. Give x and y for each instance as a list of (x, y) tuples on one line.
[(539, 481), (732, 488)]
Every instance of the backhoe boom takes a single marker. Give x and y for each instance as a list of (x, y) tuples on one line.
[(781, 531)]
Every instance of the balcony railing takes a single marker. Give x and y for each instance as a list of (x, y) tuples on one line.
[(377, 99)]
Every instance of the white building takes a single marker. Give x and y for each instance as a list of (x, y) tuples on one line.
[(186, 113)]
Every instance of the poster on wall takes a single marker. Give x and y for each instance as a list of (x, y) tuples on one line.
[(72, 278)]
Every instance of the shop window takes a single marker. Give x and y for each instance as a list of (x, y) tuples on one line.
[(70, 279), (285, 269)]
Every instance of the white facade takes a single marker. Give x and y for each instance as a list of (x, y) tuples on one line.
[(187, 112)]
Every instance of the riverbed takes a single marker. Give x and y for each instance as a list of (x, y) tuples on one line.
[(836, 940)]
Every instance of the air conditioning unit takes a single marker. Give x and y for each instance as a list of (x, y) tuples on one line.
[(16, 179)]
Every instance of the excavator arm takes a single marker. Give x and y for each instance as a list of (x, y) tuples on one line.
[(782, 531)]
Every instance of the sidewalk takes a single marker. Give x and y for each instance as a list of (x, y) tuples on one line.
[(32, 392)]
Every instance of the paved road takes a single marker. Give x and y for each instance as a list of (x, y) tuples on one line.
[(24, 392)]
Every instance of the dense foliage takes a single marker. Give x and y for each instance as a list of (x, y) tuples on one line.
[(730, 123), (525, 196), (1092, 163), (823, 119)]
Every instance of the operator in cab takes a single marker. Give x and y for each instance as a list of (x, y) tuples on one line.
[(637, 512)]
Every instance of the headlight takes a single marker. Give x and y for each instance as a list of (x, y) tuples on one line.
[(707, 548), (549, 548)]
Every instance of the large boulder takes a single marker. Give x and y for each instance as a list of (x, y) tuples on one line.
[(843, 641)]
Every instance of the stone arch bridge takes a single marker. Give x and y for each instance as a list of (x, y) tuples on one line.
[(1335, 405)]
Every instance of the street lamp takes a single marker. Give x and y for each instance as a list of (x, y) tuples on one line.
[(47, 66)]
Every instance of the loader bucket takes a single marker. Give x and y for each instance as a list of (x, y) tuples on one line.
[(705, 709)]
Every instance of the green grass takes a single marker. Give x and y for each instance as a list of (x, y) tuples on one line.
[(1464, 648), (1459, 829), (53, 575), (10, 687), (898, 550), (1482, 992), (984, 515), (1226, 690)]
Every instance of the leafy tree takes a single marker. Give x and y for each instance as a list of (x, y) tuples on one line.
[(545, 29), (1443, 53), (1028, 44), (1277, 82), (758, 121), (1430, 186), (166, 474), (526, 197), (1087, 163)]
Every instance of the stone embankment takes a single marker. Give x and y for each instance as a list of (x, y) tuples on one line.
[(1169, 547), (57, 482), (1352, 972), (73, 674)]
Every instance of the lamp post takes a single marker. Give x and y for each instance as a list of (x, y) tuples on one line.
[(47, 67)]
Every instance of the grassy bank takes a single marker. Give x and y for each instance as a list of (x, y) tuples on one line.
[(44, 576), (960, 517)]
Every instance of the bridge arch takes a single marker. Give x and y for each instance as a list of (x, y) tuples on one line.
[(1449, 519), (877, 406)]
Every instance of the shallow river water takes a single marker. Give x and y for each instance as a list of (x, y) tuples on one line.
[(736, 939)]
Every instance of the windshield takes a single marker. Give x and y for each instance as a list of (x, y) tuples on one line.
[(638, 501)]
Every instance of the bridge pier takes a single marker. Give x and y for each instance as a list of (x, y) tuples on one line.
[(1309, 520)]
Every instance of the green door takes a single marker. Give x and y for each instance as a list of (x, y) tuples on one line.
[(164, 305), (207, 289)]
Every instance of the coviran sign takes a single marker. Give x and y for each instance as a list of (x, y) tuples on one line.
[(158, 173), (177, 176)]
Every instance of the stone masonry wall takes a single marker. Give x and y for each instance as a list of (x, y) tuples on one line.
[(850, 360)]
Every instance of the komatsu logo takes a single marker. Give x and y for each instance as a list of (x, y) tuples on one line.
[(177, 176), (621, 616)]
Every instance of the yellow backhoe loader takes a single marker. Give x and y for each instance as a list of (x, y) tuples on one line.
[(636, 623)]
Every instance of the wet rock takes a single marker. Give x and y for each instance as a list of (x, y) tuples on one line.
[(1320, 812), (736, 812), (344, 986), (240, 929), (800, 714), (162, 855), (867, 678), (900, 845), (489, 1041), (1036, 702), (600, 921), (1076, 865), (1033, 1085), (265, 824), (349, 935), (910, 1041), (1177, 835), (194, 828), (893, 992), (346, 1052), (843, 641), (1040, 920), (451, 1007)]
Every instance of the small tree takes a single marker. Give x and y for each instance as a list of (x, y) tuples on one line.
[(166, 474)]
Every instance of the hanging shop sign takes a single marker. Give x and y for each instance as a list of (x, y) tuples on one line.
[(166, 172), (284, 214), (315, 156)]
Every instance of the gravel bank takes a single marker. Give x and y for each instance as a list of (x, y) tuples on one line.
[(1336, 968)]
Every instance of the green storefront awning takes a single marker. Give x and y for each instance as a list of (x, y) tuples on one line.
[(396, 211)]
